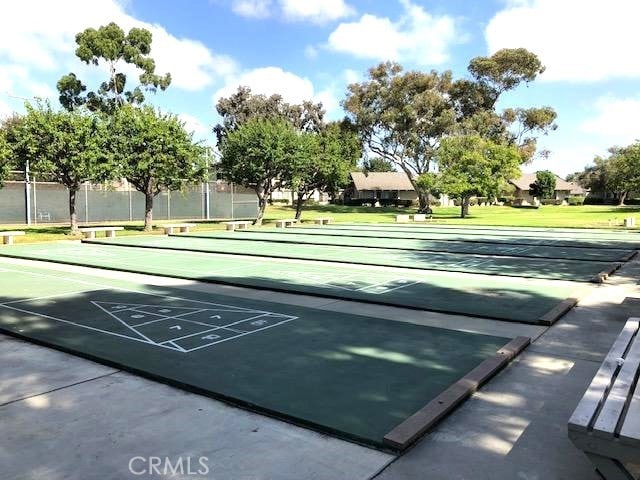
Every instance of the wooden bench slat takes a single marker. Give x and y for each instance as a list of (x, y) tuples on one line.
[(588, 406), (630, 432), (620, 392)]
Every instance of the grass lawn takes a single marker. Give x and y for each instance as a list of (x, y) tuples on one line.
[(587, 216)]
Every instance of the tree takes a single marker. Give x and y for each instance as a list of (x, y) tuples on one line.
[(155, 153), (623, 170), (324, 163), (402, 116), (475, 101), (544, 186), (258, 154), (243, 106), (377, 164), (70, 146), (6, 157), (471, 165), (109, 44)]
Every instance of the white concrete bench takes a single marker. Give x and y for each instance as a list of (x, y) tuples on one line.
[(630, 222), (90, 232), (606, 422), (183, 227), (402, 218), (7, 237), (323, 220), (238, 225), (286, 222)]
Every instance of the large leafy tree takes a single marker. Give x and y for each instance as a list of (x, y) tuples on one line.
[(243, 106), (377, 164), (6, 157), (109, 45), (475, 100), (324, 162), (402, 117), (258, 154), (70, 146), (544, 186), (471, 165), (154, 153), (623, 171)]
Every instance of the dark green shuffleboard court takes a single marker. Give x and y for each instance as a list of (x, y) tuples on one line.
[(452, 246), (505, 298), (595, 232), (434, 233), (352, 376), (570, 270)]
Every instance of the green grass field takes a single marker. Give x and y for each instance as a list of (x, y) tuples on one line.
[(587, 216)]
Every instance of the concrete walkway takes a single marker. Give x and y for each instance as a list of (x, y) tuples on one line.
[(62, 417)]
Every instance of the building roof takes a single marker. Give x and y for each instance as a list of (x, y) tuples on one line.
[(381, 181), (526, 179)]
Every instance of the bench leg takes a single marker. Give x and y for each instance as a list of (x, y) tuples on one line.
[(111, 233), (168, 230), (184, 229), (610, 469), (8, 240), (89, 235)]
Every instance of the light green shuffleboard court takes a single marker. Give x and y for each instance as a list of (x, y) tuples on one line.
[(529, 267), (505, 298), (451, 246)]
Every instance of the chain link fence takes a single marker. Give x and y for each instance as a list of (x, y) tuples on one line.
[(39, 201)]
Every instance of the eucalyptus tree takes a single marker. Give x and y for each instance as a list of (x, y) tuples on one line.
[(110, 46)]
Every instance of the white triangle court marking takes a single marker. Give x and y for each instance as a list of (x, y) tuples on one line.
[(122, 322)]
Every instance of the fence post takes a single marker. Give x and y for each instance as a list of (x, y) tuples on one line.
[(232, 215), (168, 204), (207, 208), (27, 195), (86, 203)]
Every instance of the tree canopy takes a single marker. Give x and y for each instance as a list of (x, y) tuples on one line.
[(70, 146), (403, 116), (154, 152), (258, 154), (544, 186), (111, 46), (324, 162), (471, 165), (377, 164), (6, 157)]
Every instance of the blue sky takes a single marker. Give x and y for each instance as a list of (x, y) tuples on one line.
[(312, 49)]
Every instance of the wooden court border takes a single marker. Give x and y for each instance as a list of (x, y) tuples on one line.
[(413, 428)]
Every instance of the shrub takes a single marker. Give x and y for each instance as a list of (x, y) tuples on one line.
[(576, 200), (482, 200), (550, 201), (280, 200)]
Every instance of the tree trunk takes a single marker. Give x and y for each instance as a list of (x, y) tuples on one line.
[(73, 215), (262, 206), (464, 207), (148, 212), (299, 205), (623, 197)]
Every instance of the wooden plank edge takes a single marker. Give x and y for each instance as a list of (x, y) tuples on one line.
[(601, 276), (558, 311), (410, 430)]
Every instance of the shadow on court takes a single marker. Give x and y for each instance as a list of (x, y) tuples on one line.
[(351, 376)]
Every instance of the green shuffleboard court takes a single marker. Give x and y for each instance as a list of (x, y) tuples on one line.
[(425, 233), (356, 377), (505, 298), (452, 246), (575, 238), (570, 270)]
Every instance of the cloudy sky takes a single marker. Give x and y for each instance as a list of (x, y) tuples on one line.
[(311, 49)]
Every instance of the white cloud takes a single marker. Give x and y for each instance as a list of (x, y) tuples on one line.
[(616, 120), (40, 36), (577, 40), (252, 8), (195, 125), (270, 80), (417, 37), (314, 11)]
